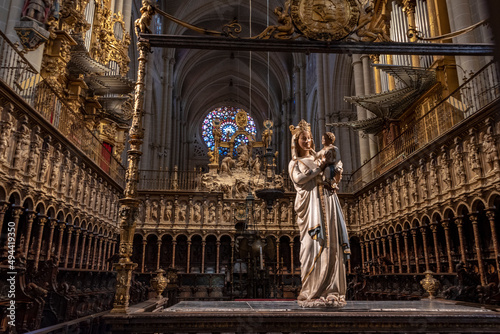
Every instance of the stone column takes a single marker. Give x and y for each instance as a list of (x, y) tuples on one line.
[(53, 224), (477, 242), (458, 221), (434, 227), (42, 219), (188, 256), (218, 257), (102, 258), (372, 247), (90, 236), (68, 244), (415, 250), (368, 90), (368, 257), (4, 206), (82, 249), (494, 239), (423, 230), (17, 211), (291, 256), (97, 237), (446, 226), (99, 254), (232, 254), (398, 249), (377, 245), (62, 227), (108, 253), (364, 145), (158, 244), (278, 255), (30, 216), (362, 245), (78, 230), (407, 252), (144, 244), (203, 245), (384, 249), (391, 252), (174, 243), (409, 9)]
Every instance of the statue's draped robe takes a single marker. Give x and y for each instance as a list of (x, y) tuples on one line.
[(321, 254)]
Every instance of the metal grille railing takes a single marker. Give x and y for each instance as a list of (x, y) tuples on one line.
[(476, 93), (24, 79)]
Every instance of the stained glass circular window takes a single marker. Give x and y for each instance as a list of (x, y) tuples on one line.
[(227, 118)]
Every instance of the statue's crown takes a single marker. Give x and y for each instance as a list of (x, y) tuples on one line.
[(303, 126)]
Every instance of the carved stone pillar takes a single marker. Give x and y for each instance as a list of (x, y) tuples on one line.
[(68, 244), (30, 217), (232, 254), (446, 226), (291, 256), (384, 249), (368, 257), (82, 249), (391, 253), (99, 254), (477, 242), (90, 236), (278, 255), (108, 253), (415, 250), (362, 245), (103, 257), (62, 227), (53, 224), (372, 247), (174, 243), (42, 219), (398, 250), (4, 206), (188, 256), (494, 239), (78, 231), (97, 237), (458, 221), (203, 245), (423, 230), (17, 211), (218, 257), (434, 227), (158, 254), (407, 251), (377, 245), (144, 244)]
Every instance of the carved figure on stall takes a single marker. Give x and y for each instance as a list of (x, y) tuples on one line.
[(226, 165), (473, 157), (490, 151), (36, 145), (405, 189), (395, 191), (168, 212), (445, 171), (255, 165), (458, 163), (433, 178), (257, 214), (197, 213), (5, 130), (226, 212), (23, 143), (154, 211), (284, 212), (211, 213), (182, 212), (389, 195), (412, 186), (147, 204), (422, 180)]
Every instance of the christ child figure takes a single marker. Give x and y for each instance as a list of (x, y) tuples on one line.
[(328, 156)]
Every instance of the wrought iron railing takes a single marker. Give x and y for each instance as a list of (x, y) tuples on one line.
[(473, 95), (17, 72), (161, 180)]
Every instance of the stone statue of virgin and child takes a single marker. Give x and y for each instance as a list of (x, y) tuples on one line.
[(324, 247)]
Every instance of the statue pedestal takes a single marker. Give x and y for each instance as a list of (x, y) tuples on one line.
[(213, 168)]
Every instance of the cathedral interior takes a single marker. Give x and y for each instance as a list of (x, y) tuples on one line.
[(144, 149)]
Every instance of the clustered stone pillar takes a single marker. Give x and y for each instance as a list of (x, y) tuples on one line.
[(480, 263), (434, 227), (491, 217)]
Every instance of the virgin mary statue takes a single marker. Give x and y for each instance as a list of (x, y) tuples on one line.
[(324, 244)]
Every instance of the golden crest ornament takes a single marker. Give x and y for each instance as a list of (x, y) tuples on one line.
[(325, 20)]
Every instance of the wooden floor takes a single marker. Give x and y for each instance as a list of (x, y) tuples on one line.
[(423, 316)]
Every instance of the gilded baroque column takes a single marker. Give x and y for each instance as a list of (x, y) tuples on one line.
[(459, 221), (130, 203), (409, 9), (477, 242), (144, 244), (434, 227), (407, 251), (30, 217), (218, 257), (78, 231), (494, 239), (42, 219), (398, 249), (158, 254), (423, 230), (68, 244)]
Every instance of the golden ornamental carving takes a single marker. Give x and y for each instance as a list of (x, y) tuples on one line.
[(430, 284), (159, 283), (325, 20)]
